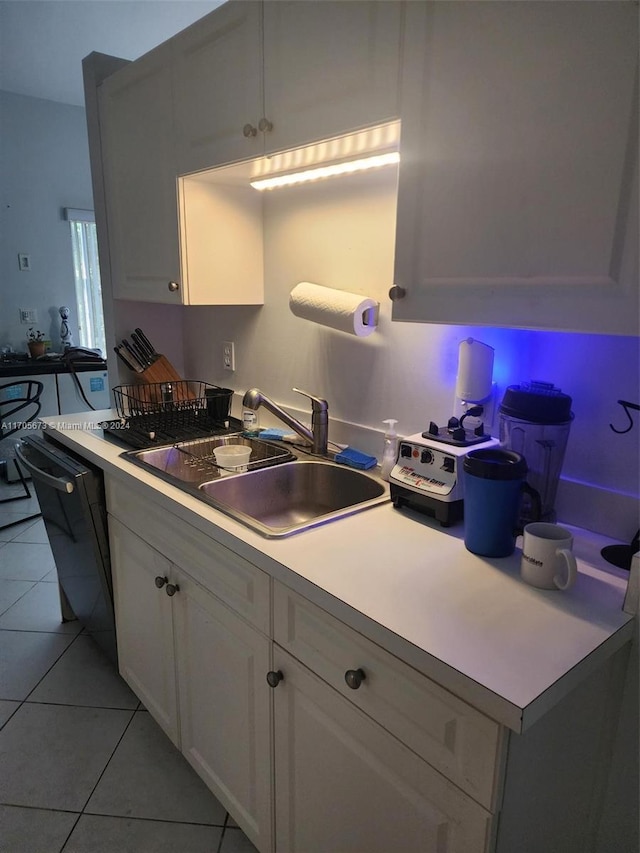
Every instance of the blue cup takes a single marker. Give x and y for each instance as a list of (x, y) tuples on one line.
[(494, 482)]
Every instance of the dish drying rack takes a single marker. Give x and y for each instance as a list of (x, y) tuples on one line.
[(199, 456), (166, 412)]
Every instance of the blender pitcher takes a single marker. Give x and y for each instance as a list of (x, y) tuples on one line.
[(534, 420)]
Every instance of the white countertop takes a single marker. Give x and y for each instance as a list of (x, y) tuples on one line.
[(468, 622)]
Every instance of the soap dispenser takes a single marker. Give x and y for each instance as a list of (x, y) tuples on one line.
[(390, 449)]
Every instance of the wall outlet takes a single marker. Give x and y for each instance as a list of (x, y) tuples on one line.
[(228, 355)]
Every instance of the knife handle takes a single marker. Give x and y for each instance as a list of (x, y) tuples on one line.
[(131, 353), (146, 343), (141, 350), (125, 360)]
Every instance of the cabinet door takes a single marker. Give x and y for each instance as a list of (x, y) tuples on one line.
[(140, 179), (235, 581), (517, 199), (329, 68), (225, 706), (144, 625), (343, 783), (450, 735), (218, 73)]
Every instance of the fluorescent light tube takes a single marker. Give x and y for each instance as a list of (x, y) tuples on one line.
[(321, 172)]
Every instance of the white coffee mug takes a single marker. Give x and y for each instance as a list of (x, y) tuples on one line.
[(547, 559)]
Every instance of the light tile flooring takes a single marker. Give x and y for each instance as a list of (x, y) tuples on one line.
[(83, 767)]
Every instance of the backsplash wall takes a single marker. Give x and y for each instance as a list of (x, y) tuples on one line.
[(341, 234)]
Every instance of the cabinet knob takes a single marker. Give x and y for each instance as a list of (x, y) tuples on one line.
[(354, 678), (397, 292), (274, 678), (249, 130), (172, 588), (173, 286), (264, 125), (160, 581)]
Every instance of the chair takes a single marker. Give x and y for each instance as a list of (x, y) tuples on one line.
[(16, 397)]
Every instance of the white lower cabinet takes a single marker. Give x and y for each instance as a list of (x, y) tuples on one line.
[(318, 740), (200, 671), (345, 784), (225, 706), (144, 625), (310, 766)]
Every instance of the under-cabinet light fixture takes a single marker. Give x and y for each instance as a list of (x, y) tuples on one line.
[(320, 172)]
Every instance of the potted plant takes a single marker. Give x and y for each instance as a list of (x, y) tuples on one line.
[(35, 342)]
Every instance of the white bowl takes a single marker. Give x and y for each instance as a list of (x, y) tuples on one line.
[(233, 457)]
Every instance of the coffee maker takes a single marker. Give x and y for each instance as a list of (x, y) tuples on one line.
[(534, 420)]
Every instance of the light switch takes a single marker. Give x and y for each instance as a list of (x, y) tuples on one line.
[(28, 316)]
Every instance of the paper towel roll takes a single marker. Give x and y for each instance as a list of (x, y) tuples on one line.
[(338, 309)]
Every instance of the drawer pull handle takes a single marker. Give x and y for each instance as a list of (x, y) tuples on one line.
[(172, 588), (173, 286), (160, 581), (354, 678), (248, 131), (265, 126), (274, 678)]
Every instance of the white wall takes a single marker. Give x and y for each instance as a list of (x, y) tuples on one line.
[(341, 234), (44, 167)]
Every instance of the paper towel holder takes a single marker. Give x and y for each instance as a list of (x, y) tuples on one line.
[(338, 309)]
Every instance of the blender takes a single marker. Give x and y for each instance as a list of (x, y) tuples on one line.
[(534, 420)]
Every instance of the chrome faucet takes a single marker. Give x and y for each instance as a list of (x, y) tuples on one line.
[(318, 434)]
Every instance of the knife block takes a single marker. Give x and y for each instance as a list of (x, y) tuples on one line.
[(160, 371), (163, 371)]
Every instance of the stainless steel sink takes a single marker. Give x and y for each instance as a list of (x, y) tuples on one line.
[(278, 496), (294, 496)]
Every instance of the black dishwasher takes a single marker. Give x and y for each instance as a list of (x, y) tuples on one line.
[(71, 496)]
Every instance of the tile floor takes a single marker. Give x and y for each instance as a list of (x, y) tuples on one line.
[(83, 767)]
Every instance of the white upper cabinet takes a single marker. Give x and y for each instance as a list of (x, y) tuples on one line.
[(253, 78), (169, 242), (140, 179), (329, 67), (217, 89), (518, 199)]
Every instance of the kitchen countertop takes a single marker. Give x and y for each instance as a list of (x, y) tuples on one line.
[(468, 622)]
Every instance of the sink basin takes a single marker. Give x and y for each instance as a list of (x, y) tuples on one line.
[(294, 496)]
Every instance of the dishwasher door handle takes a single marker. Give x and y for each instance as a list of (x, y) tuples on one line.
[(59, 483)]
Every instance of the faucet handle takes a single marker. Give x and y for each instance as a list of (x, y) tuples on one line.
[(317, 403)]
